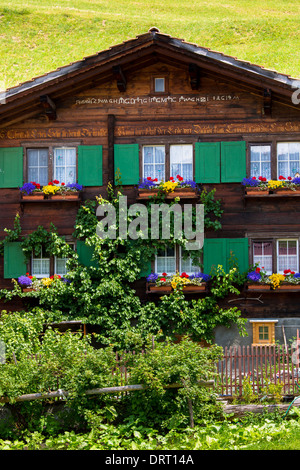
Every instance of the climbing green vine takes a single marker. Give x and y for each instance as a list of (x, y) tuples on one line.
[(105, 294)]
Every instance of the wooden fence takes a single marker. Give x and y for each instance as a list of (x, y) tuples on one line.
[(259, 368)]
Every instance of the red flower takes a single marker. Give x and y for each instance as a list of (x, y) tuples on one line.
[(257, 270), (155, 179), (50, 183), (264, 179), (286, 271), (281, 177), (171, 178), (27, 274), (30, 277), (180, 178), (164, 274), (55, 182), (289, 178), (254, 177), (62, 184), (184, 275), (38, 186), (149, 178), (163, 279)]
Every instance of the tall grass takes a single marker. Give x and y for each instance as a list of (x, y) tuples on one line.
[(37, 36)]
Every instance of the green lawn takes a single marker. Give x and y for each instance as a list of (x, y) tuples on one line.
[(37, 36)]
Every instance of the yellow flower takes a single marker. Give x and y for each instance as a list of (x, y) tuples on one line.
[(273, 184), (276, 280), (50, 189), (169, 186), (46, 281)]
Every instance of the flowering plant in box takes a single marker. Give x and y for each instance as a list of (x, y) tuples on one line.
[(31, 188), (275, 279), (260, 183), (167, 186), (196, 279)]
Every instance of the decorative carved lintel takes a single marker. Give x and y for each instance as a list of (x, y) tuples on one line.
[(120, 78), (48, 106)]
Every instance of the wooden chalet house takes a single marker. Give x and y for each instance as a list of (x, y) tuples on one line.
[(157, 106)]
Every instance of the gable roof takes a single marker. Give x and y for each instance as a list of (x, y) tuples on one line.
[(146, 47)]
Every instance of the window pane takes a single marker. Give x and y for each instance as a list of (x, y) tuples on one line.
[(154, 162), (61, 266), (287, 254), (260, 161), (65, 165), (263, 256), (37, 165), (40, 267), (166, 261), (159, 84), (181, 161), (288, 156)]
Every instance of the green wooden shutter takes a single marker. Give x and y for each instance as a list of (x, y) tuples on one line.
[(126, 159), (85, 254), (14, 260), (225, 252), (90, 165), (238, 249), (11, 167), (233, 162), (214, 254), (207, 162)]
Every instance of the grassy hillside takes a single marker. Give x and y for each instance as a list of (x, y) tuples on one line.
[(37, 36)]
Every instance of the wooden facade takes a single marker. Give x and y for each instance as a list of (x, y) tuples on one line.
[(108, 103)]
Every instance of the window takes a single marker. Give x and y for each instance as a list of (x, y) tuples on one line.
[(181, 161), (276, 255), (156, 157), (65, 165), (45, 266), (40, 266), (260, 161), (288, 156), (41, 169), (159, 85), (263, 255), (170, 261), (287, 255), (263, 332), (37, 161), (154, 162)]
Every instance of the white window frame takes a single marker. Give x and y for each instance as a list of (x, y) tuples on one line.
[(192, 270), (263, 264), (278, 256), (55, 176), (290, 170), (39, 167), (40, 258), (155, 164), (172, 257), (189, 148), (260, 162), (72, 245)]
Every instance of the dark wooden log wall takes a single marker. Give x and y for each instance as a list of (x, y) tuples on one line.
[(220, 110)]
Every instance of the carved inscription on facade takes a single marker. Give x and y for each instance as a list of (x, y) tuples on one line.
[(151, 129), (146, 100)]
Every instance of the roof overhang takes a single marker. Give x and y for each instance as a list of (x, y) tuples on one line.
[(24, 100)]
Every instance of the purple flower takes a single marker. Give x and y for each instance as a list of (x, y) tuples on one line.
[(24, 281), (254, 276), (75, 186), (204, 277), (190, 183), (296, 275), (296, 180), (146, 184), (250, 182), (152, 277), (28, 188)]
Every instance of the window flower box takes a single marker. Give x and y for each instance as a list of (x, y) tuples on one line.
[(171, 189), (69, 192), (260, 186), (259, 280), (194, 283), (31, 192)]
